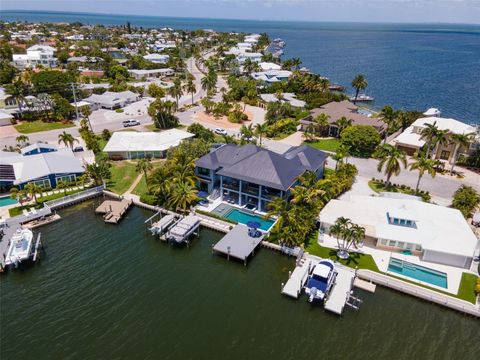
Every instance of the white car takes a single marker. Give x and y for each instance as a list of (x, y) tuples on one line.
[(130, 122), (220, 131)]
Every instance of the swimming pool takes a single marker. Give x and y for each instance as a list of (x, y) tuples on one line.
[(418, 272), (243, 217), (6, 200)]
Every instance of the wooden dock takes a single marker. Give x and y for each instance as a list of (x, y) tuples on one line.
[(113, 210)]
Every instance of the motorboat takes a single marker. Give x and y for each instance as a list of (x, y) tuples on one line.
[(321, 280), (20, 248), (362, 98)]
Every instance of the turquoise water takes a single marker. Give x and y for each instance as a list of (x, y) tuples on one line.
[(408, 66), (4, 201), (243, 218), (418, 272), (115, 292)]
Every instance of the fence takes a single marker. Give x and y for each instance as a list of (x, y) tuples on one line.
[(71, 199)]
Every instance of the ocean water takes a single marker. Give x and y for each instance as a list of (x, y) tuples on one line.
[(115, 292), (408, 66)]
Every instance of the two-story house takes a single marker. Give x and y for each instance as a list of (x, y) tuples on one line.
[(251, 176), (43, 55)]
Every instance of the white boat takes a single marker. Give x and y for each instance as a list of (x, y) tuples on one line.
[(321, 280), (20, 249), (432, 112), (362, 98)]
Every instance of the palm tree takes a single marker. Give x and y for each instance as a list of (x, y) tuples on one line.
[(321, 122), (391, 159), (261, 130), (190, 88), (279, 95), (33, 190), (441, 139), (67, 139), (279, 208), (247, 131), (296, 62), (144, 165), (22, 140), (176, 91), (86, 112), (359, 83), (389, 117), (460, 141), (249, 66), (342, 124), (423, 165), (429, 133), (182, 195), (63, 186)]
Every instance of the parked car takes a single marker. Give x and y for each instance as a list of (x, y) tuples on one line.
[(130, 122), (220, 131), (78, 149)]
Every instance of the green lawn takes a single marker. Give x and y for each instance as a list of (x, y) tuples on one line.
[(362, 261), (325, 144), (123, 175), (379, 187), (141, 188), (28, 127), (466, 291)]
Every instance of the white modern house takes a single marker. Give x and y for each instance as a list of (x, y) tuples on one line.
[(157, 58), (265, 66), (153, 73), (253, 56), (435, 233), (5, 118), (287, 98), (271, 76), (43, 55), (137, 145), (411, 139), (112, 100)]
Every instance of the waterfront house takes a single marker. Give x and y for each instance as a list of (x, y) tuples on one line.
[(265, 66), (43, 164), (435, 233), (251, 176), (271, 76), (112, 100), (36, 55), (411, 139), (256, 57), (336, 110), (136, 145), (5, 118)]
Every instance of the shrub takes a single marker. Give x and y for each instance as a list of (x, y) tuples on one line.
[(119, 110), (465, 199), (361, 140)]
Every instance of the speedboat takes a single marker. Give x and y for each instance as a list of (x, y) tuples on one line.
[(362, 98), (20, 247), (321, 280)]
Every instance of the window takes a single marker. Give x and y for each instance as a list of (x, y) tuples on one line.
[(444, 155), (42, 183), (383, 242), (66, 178), (400, 244), (409, 246), (418, 247), (391, 243)]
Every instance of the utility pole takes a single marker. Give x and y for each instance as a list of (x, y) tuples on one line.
[(75, 101)]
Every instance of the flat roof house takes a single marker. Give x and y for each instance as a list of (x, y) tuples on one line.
[(251, 176), (112, 100), (411, 139), (436, 233), (36, 55), (287, 97), (336, 110), (271, 76), (43, 164), (136, 145), (140, 74), (157, 58)]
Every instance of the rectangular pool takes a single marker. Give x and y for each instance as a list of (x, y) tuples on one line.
[(7, 200), (243, 217), (418, 272)]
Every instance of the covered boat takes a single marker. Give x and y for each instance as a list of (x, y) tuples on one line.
[(20, 248), (321, 280)]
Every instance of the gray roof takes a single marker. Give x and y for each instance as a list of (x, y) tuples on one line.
[(264, 167)]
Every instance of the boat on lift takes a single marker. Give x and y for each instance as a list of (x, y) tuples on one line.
[(362, 98), (21, 247), (321, 280)]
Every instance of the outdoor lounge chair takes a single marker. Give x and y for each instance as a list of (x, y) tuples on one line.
[(33, 211), (25, 212)]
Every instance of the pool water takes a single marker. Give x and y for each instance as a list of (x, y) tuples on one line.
[(6, 200), (244, 217), (418, 272)]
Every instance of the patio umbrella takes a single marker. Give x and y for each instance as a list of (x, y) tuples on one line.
[(253, 224), (202, 194)]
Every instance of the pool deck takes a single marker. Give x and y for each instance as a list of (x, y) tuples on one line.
[(237, 243)]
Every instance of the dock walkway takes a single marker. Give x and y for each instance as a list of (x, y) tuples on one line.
[(113, 210), (340, 293), (297, 279), (237, 243)]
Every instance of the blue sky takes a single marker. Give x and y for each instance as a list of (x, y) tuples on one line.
[(450, 11)]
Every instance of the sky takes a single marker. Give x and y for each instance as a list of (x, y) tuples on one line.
[(443, 11)]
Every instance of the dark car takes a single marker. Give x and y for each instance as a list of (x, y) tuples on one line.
[(78, 149)]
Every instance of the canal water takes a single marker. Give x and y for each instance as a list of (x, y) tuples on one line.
[(114, 292)]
